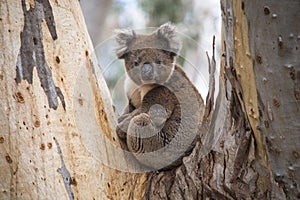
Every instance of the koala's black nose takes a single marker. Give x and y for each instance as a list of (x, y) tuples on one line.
[(147, 72)]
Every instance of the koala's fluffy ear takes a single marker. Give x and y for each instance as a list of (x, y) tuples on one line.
[(124, 38), (168, 32)]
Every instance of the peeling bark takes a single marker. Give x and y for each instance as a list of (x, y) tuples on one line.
[(64, 172), (32, 52), (234, 160), (52, 55)]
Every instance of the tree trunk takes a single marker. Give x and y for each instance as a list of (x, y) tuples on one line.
[(52, 87), (250, 149), (57, 122), (96, 13)]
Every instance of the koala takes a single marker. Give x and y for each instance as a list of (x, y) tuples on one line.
[(162, 120)]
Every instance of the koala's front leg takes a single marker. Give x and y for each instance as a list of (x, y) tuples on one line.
[(144, 130), (124, 120), (122, 126)]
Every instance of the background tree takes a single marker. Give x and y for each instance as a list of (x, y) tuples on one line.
[(51, 87), (96, 14)]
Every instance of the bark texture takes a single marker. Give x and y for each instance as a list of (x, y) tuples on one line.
[(274, 43), (250, 147), (51, 90)]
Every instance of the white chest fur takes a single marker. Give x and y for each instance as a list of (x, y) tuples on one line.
[(136, 92)]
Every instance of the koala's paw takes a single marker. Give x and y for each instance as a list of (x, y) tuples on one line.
[(142, 134), (141, 120)]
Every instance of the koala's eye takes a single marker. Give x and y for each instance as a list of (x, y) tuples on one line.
[(158, 61), (136, 63)]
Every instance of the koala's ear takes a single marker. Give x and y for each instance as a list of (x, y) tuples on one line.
[(124, 38), (168, 32)]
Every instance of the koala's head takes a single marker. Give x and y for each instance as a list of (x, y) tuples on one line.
[(149, 58)]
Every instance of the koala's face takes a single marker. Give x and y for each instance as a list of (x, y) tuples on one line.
[(149, 58), (146, 66)]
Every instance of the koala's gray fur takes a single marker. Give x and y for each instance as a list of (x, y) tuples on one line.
[(164, 38), (164, 113)]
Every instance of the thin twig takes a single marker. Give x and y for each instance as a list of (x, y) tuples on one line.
[(211, 89)]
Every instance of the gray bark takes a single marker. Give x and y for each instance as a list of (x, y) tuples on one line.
[(274, 37), (251, 147)]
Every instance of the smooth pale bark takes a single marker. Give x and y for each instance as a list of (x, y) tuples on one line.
[(31, 115)]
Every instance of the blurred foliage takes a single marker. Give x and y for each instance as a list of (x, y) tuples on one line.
[(159, 11), (179, 12)]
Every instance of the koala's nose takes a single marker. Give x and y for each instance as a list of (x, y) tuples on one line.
[(147, 71)]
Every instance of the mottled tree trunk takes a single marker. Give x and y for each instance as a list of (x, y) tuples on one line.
[(52, 95), (53, 98), (250, 149)]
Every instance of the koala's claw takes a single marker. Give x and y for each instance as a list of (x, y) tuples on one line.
[(141, 120)]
